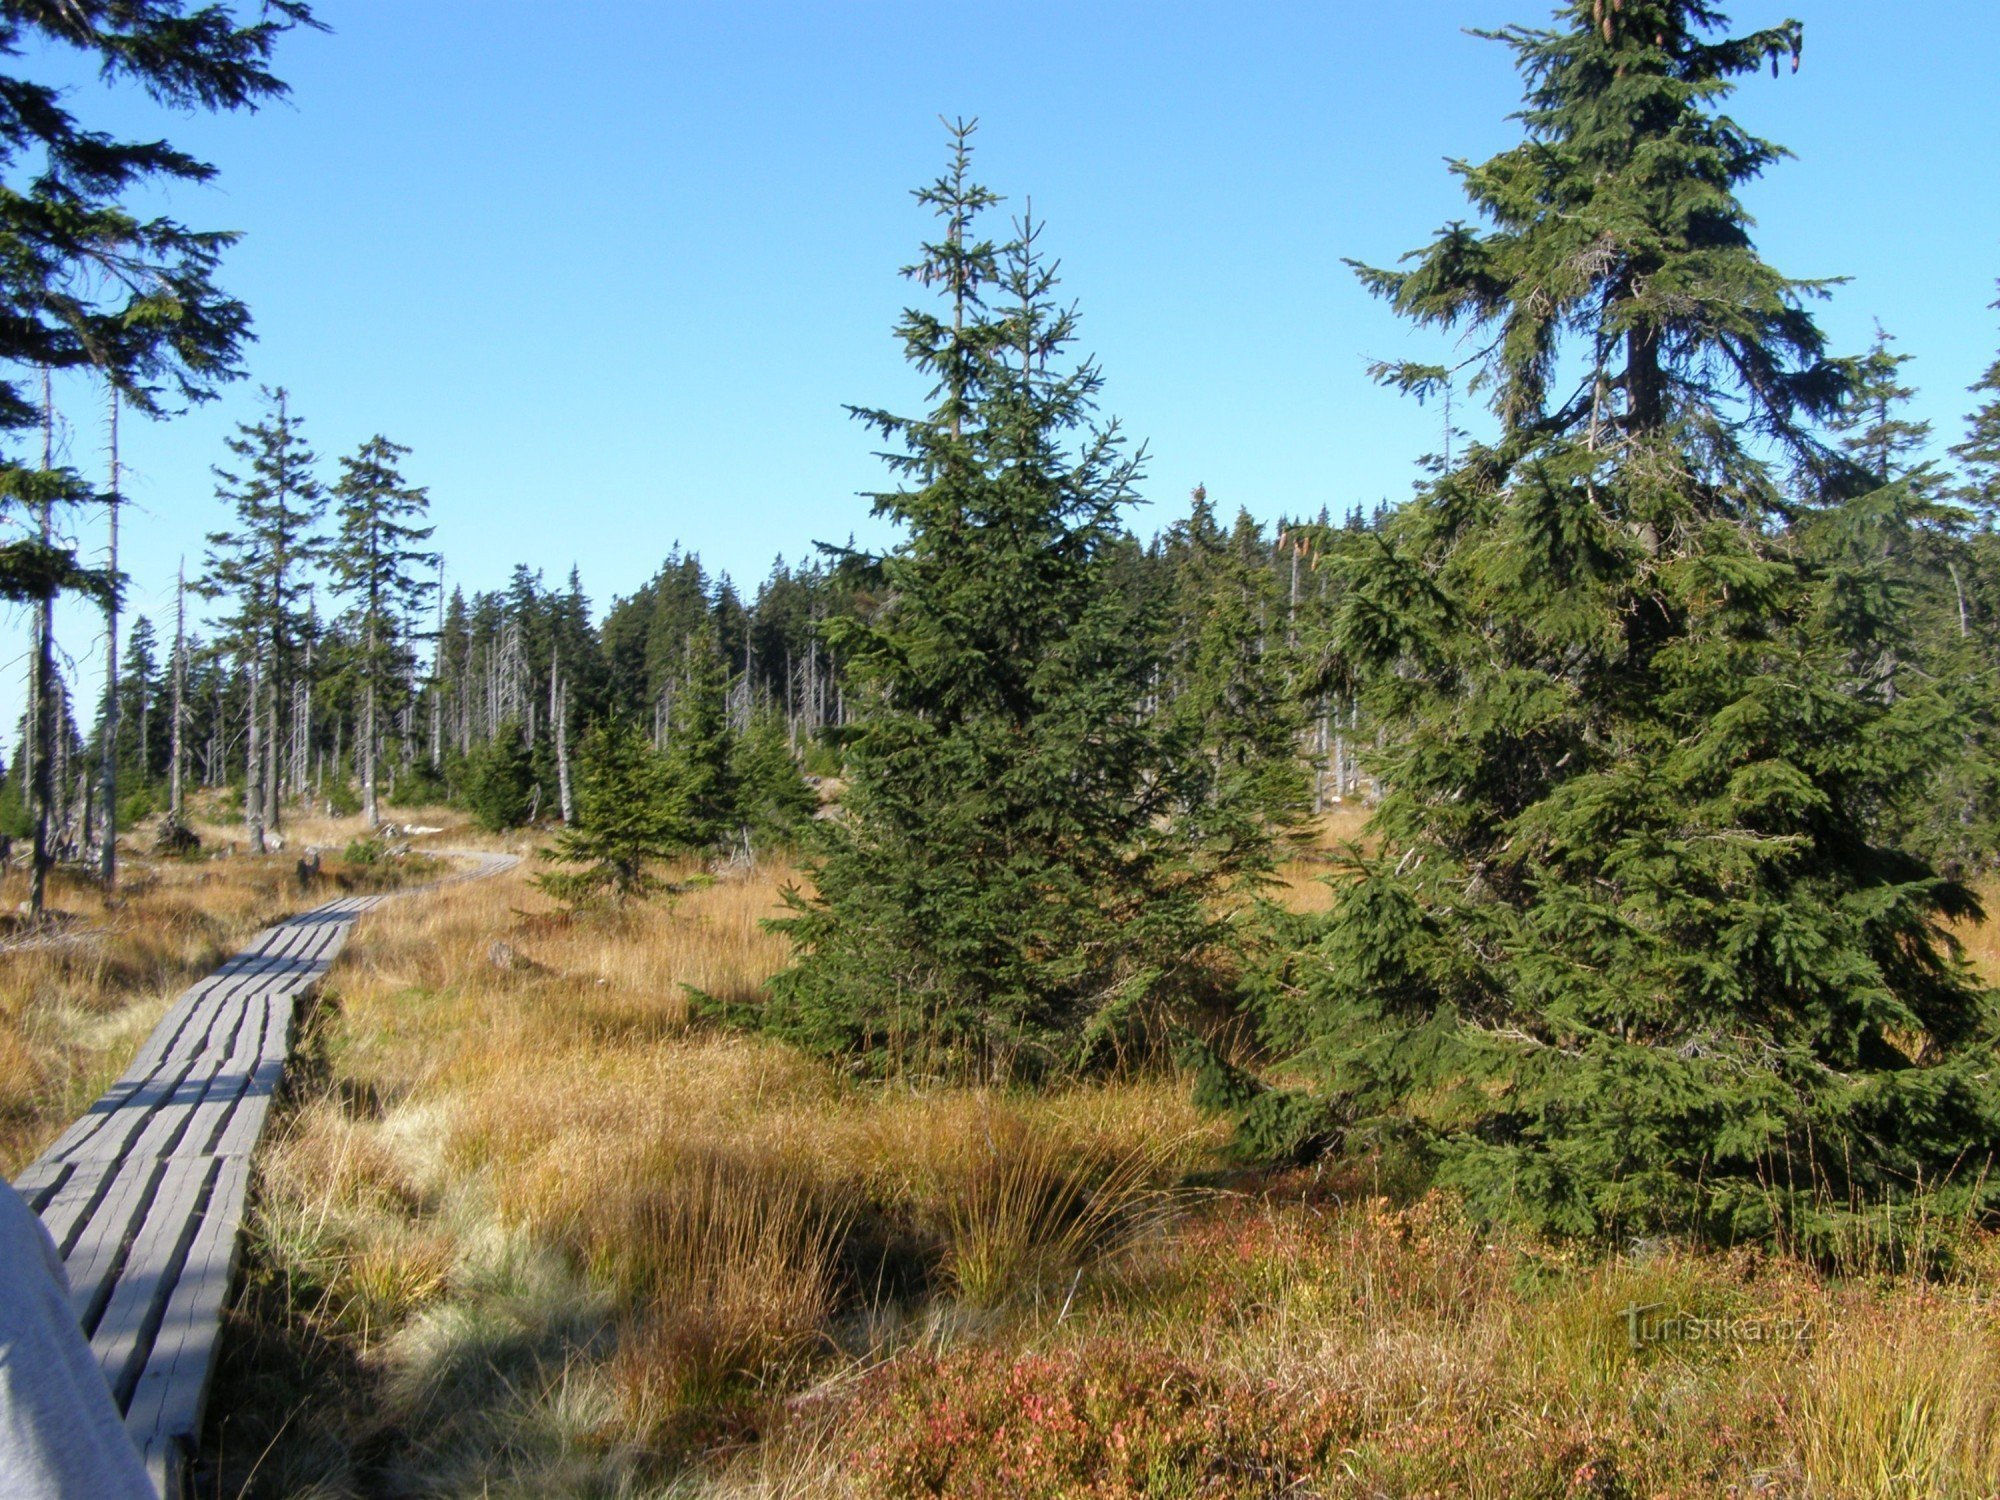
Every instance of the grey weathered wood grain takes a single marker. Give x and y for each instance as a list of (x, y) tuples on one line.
[(100, 1239), (73, 1202), (41, 1181), (172, 1392), (146, 1278)]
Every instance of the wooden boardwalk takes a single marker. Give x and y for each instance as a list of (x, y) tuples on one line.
[(144, 1195)]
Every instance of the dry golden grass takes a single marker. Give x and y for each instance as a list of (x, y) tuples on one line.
[(533, 1232), (1908, 1405), (217, 819), (1981, 940), (1302, 880), (508, 1084), (1035, 1206)]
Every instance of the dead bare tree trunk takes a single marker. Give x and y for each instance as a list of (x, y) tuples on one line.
[(367, 746), (42, 700), (269, 771), (180, 692), (109, 865), (253, 782), (560, 713)]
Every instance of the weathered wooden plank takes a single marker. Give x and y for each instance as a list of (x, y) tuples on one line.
[(191, 1024), (120, 1126), (138, 1302), (256, 1074), (165, 1458), (115, 1126), (42, 1181), (184, 1036), (171, 1393), (225, 979), (93, 1260), (67, 1209), (228, 1084), (245, 1125), (292, 954), (108, 1125), (314, 957), (152, 1133), (172, 1025)]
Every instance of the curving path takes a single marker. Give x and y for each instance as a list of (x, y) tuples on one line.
[(144, 1195)]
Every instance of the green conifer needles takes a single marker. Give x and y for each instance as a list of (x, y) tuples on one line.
[(631, 812), (1006, 889), (1634, 952)]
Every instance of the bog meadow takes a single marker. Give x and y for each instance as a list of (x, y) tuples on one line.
[(1489, 992)]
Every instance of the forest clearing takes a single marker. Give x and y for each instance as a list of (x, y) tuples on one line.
[(1493, 992)]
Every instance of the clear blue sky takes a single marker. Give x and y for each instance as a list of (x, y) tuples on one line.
[(612, 268)]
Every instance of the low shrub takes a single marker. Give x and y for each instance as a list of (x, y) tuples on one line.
[(1104, 1418)]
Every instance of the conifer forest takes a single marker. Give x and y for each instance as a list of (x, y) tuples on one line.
[(1094, 992)]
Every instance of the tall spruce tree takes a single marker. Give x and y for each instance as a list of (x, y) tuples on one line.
[(379, 567), (1904, 568), (138, 740), (1004, 890), (497, 778), (1227, 681), (1979, 454), (90, 284), (1878, 538), (774, 802), (260, 568), (1873, 425), (1630, 954)]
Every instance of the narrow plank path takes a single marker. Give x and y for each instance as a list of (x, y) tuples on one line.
[(144, 1195)]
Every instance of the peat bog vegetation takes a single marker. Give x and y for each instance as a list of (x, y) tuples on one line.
[(1485, 997), (535, 1229)]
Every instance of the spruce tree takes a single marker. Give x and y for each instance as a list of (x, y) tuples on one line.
[(1227, 685), (261, 569), (378, 565), (1872, 425), (1883, 539), (699, 743), (1904, 566), (138, 740), (774, 802), (1979, 454), (90, 284), (497, 780), (1004, 890), (631, 812), (1630, 954)]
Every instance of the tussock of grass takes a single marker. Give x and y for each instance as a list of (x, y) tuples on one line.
[(1910, 1406), (1035, 1205), (734, 1267)]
